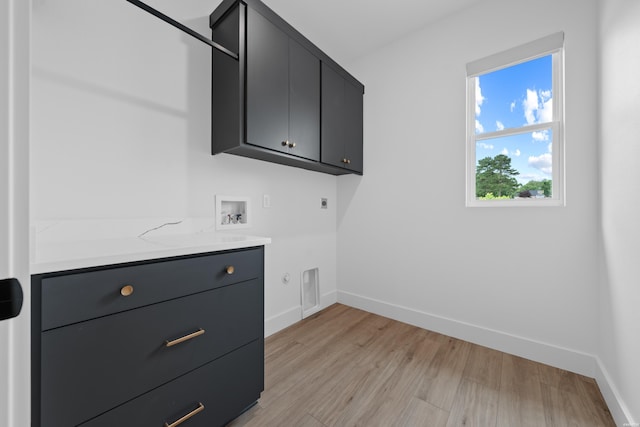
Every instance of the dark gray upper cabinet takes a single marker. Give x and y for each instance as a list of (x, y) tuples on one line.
[(304, 102), (283, 91), (341, 121), (270, 105)]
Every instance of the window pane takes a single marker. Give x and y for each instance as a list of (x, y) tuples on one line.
[(516, 96), (510, 165)]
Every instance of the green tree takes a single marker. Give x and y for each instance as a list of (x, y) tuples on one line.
[(546, 187), (495, 175)]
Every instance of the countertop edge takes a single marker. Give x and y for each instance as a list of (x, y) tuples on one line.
[(75, 263)]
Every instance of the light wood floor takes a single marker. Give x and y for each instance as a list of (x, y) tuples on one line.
[(347, 367)]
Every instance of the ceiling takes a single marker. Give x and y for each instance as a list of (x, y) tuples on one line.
[(344, 29), (348, 29)]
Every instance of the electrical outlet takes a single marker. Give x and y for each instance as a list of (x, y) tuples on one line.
[(266, 201), (324, 203)]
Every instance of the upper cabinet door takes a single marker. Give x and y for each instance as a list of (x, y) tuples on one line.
[(283, 91), (332, 148), (341, 132), (353, 127), (267, 83), (304, 102)]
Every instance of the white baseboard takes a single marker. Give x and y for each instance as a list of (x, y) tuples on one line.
[(281, 320), (616, 405), (292, 315), (563, 358)]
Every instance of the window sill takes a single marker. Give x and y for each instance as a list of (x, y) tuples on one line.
[(515, 203)]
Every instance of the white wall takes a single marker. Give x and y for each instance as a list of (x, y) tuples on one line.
[(523, 280), (619, 149), (121, 129)]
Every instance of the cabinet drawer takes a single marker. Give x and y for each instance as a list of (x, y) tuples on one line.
[(72, 298), (224, 388), (91, 367)]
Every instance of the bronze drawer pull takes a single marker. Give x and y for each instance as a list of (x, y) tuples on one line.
[(192, 335), (126, 290), (179, 421), (230, 269)]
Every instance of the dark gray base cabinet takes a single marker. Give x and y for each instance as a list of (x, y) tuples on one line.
[(149, 343), (279, 102)]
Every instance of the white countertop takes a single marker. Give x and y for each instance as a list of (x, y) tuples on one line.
[(65, 245)]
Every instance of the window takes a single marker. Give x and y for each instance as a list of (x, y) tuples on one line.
[(515, 148)]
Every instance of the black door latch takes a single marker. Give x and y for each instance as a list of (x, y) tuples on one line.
[(10, 298)]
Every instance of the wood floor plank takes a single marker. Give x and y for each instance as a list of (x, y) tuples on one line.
[(301, 329), (597, 407), (360, 377), (475, 405), (345, 367), (559, 378), (439, 382), (484, 366), (520, 401), (387, 404), (323, 327), (309, 421), (420, 413), (281, 378), (329, 405), (388, 357), (369, 329), (565, 409)]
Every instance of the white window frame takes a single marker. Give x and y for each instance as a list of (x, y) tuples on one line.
[(550, 45)]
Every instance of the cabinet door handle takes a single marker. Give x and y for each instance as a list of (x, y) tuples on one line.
[(292, 144), (126, 290), (184, 418), (285, 143), (230, 269), (192, 335)]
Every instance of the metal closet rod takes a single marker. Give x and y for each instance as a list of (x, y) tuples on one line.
[(181, 27)]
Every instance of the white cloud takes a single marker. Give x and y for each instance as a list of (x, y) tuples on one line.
[(545, 114), (542, 162), (513, 106), (538, 106), (484, 145), (530, 106), (550, 147), (542, 135), (506, 152), (479, 97), (479, 127), (499, 125)]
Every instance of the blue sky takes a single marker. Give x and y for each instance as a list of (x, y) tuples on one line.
[(514, 97)]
